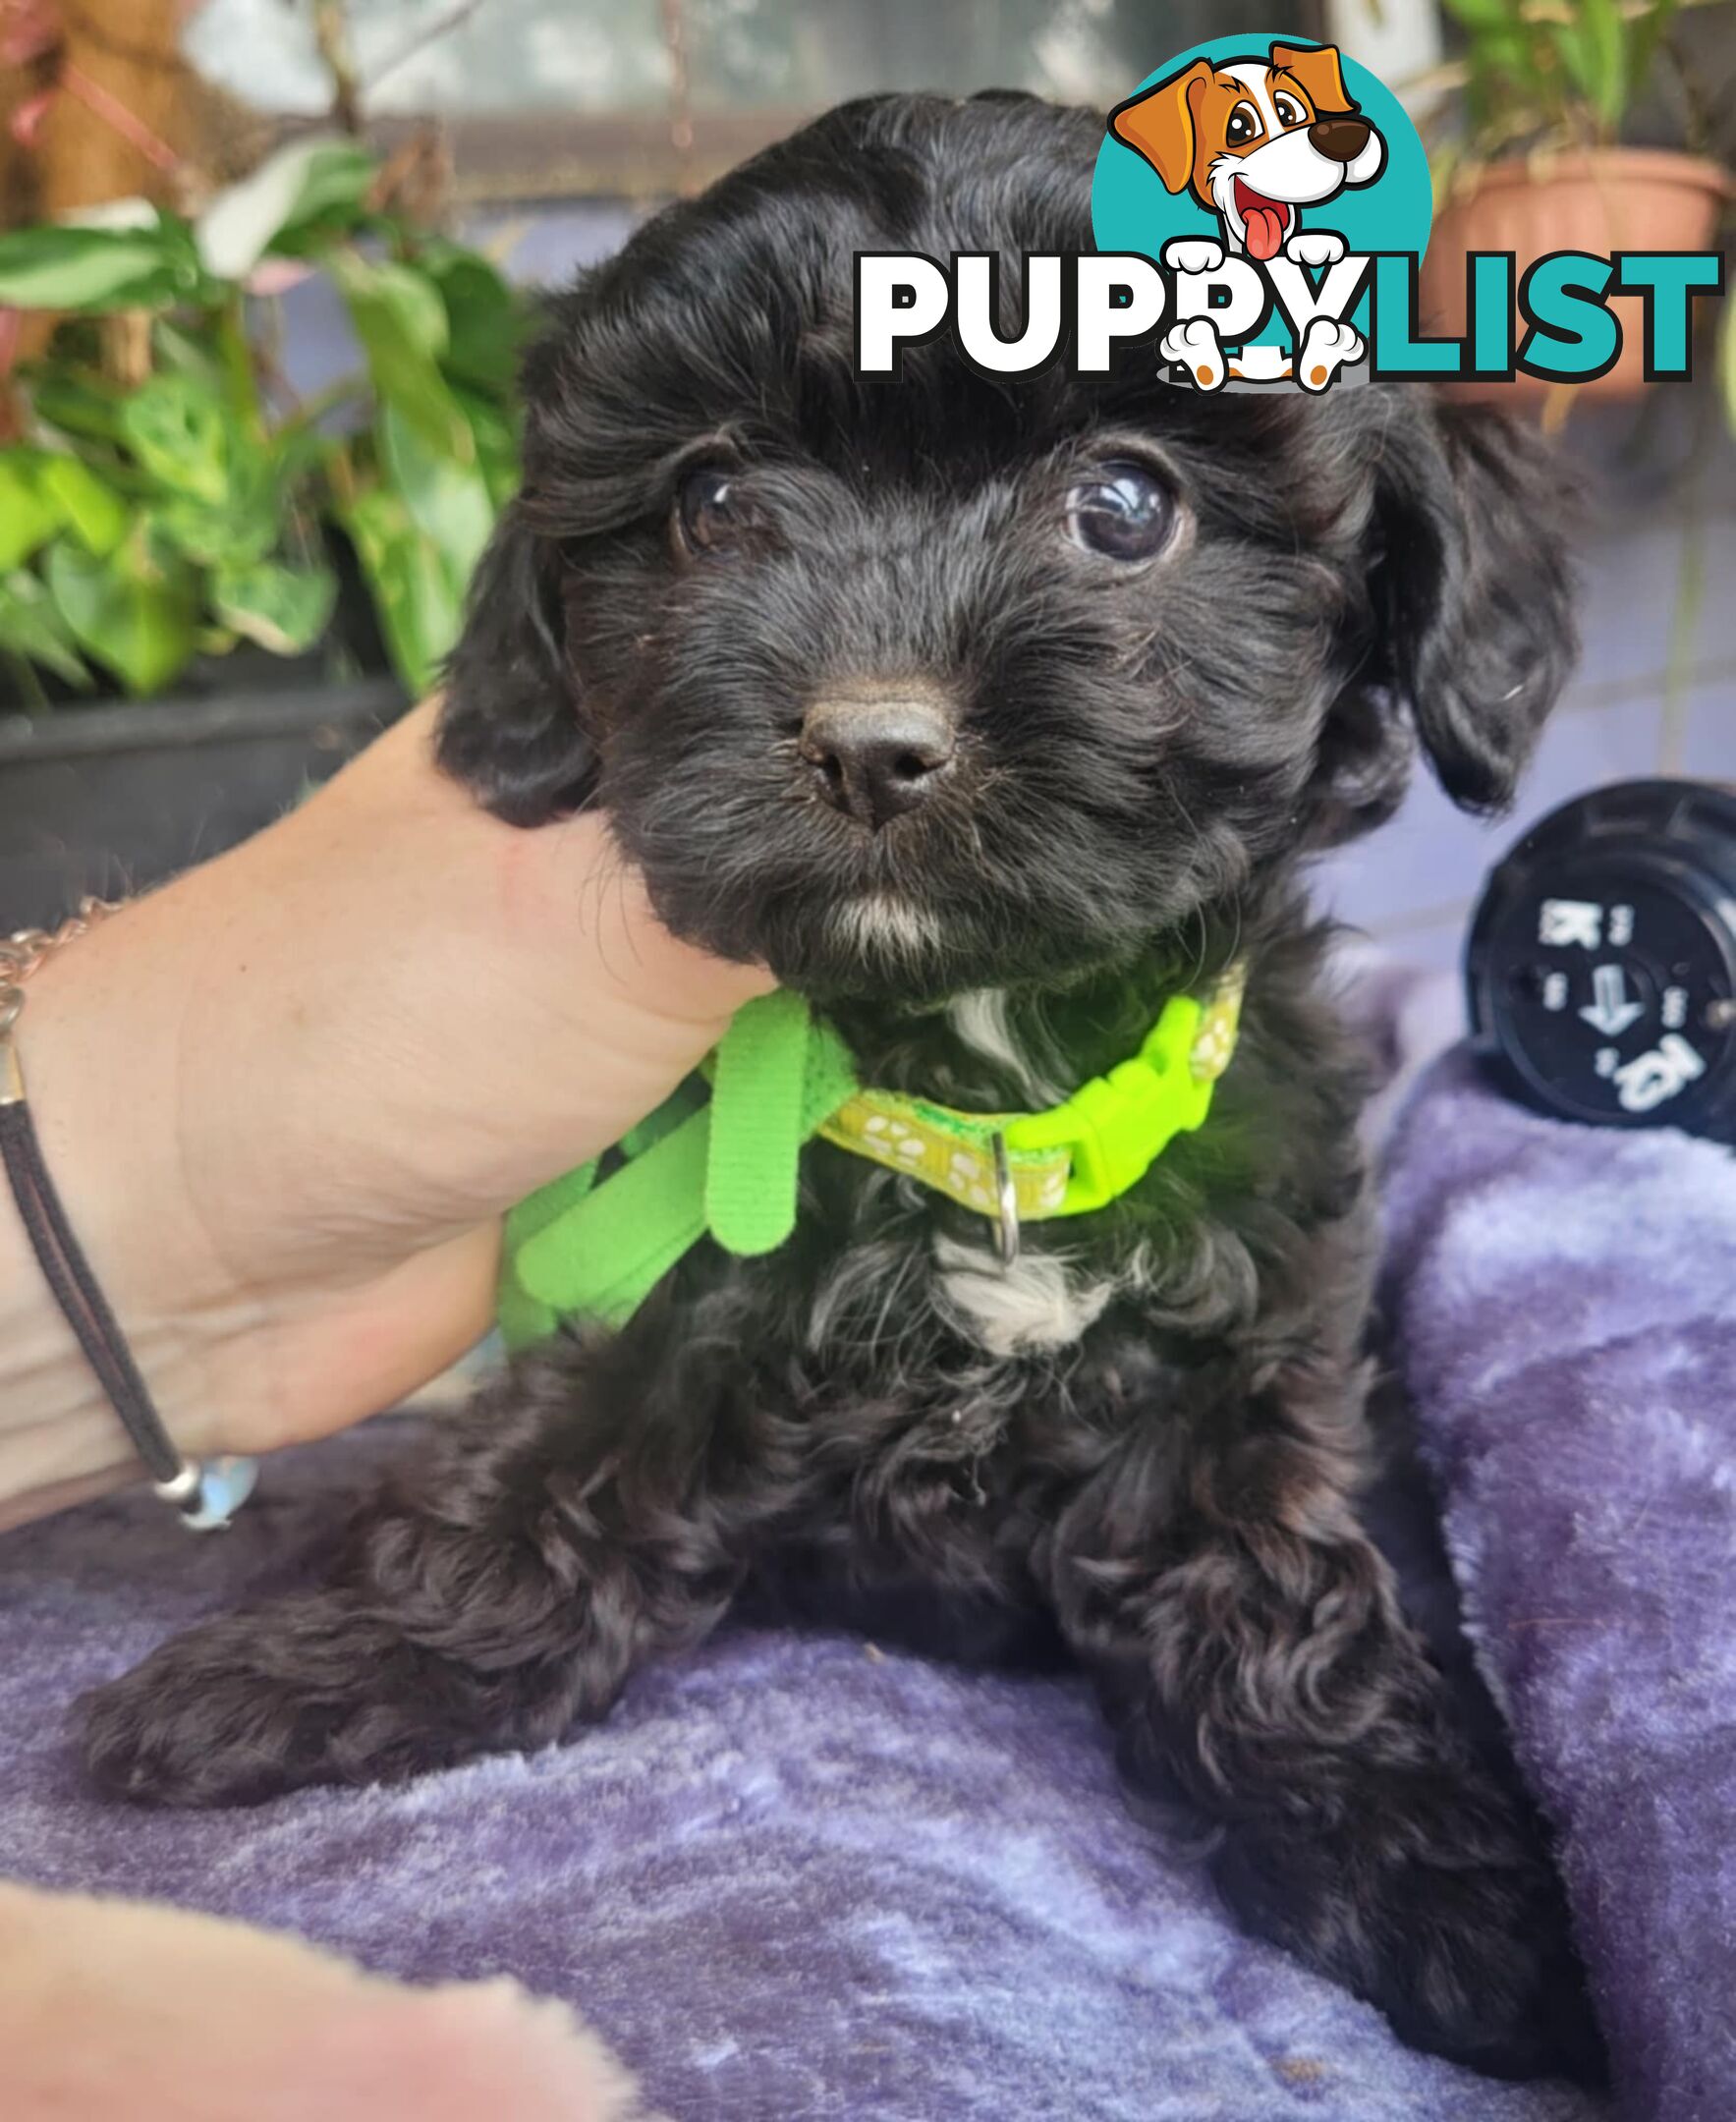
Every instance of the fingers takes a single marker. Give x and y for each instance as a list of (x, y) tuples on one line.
[(110, 2007)]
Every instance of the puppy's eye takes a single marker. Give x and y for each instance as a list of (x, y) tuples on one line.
[(1243, 124), (1122, 511), (1290, 112), (708, 514)]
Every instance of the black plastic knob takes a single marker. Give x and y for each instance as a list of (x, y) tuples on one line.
[(1602, 962)]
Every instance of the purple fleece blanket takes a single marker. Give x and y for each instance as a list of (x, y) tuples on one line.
[(796, 1877), (1564, 1301)]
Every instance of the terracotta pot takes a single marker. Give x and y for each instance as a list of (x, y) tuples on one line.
[(1614, 199)]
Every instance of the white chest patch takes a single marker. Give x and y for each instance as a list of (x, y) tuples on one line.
[(980, 1020), (1040, 1302)]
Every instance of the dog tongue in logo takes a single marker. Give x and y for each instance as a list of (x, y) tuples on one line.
[(1263, 220)]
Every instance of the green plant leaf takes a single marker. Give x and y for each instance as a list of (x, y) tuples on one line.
[(29, 515), (185, 352), (86, 406), (420, 606), (333, 202), (175, 426), (245, 523), (229, 536), (498, 446), (1479, 15), (485, 319), (1646, 35), (449, 502), (284, 610), (53, 267), (1513, 71), (135, 611), (90, 506), (401, 322), (310, 183), (31, 627), (1603, 37)]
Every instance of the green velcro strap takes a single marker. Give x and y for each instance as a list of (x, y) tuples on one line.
[(522, 1317), (598, 1252), (730, 1166), (758, 1079)]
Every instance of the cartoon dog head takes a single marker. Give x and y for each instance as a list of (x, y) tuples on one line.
[(1255, 140)]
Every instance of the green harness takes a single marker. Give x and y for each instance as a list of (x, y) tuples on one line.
[(723, 1161)]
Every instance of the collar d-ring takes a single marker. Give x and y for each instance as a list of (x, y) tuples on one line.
[(1006, 1228)]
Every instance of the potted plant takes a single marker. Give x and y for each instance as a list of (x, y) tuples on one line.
[(261, 579), (1537, 163)]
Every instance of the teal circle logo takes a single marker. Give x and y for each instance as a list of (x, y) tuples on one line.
[(1272, 149)]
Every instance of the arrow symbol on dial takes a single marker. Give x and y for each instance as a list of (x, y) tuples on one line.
[(1610, 1012)]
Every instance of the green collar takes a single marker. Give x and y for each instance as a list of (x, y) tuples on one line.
[(726, 1164)]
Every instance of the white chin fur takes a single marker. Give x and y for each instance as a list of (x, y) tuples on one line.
[(882, 927)]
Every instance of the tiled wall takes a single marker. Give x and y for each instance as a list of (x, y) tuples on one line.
[(1655, 689)]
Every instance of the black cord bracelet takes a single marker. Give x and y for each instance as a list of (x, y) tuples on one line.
[(207, 1493)]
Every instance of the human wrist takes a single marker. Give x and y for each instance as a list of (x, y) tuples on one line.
[(285, 1098), (60, 1435)]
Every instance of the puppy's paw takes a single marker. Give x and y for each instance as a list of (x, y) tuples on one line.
[(1193, 254), (312, 1690), (1194, 345), (1327, 347), (1435, 1906), (1315, 247)]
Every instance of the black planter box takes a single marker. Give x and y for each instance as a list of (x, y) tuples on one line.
[(110, 799)]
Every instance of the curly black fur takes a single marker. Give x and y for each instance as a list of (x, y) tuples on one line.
[(1150, 1443)]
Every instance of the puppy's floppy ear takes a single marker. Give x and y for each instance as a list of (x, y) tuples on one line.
[(1318, 69), (1472, 593), (510, 729), (1158, 124)]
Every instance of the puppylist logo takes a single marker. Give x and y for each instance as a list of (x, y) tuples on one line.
[(1260, 210)]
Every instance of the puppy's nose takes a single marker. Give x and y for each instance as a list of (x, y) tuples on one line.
[(879, 756), (1339, 139)]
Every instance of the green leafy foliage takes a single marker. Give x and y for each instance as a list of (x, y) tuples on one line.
[(54, 266), (283, 608), (135, 611), (448, 501), (1557, 72), (418, 593), (27, 516), (202, 508), (90, 510), (41, 494), (33, 626), (304, 193), (481, 317), (176, 430), (400, 323)]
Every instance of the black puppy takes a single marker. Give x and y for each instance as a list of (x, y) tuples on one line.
[(991, 714)]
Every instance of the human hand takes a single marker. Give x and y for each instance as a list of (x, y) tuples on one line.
[(288, 1098), (109, 2007)]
